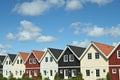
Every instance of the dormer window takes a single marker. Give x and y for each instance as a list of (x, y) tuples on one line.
[(34, 60), (118, 54)]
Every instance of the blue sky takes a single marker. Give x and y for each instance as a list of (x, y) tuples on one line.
[(27, 25)]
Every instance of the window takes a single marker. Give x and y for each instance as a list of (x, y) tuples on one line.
[(20, 72), (104, 70), (89, 56), (51, 73), (21, 61), (45, 73), (71, 57), (16, 72), (30, 61), (6, 62), (51, 59), (97, 72), (118, 54), (30, 73), (65, 58), (35, 72), (87, 72), (113, 71), (34, 60), (17, 61), (97, 56), (6, 73), (74, 72), (46, 59), (9, 62), (61, 71)]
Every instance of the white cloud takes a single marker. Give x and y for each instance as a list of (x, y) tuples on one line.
[(36, 7), (61, 30), (28, 31), (46, 39), (100, 2), (114, 43), (74, 5), (95, 31), (114, 31), (3, 52), (85, 43), (39, 7), (5, 46), (10, 36)]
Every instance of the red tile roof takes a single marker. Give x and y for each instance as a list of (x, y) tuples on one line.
[(38, 54), (23, 55), (106, 49)]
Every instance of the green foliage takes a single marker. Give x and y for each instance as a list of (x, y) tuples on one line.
[(101, 79), (11, 77), (27, 78), (57, 77), (47, 78), (39, 76), (79, 76), (108, 76), (1, 75)]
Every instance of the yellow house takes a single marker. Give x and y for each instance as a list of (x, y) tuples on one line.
[(94, 63)]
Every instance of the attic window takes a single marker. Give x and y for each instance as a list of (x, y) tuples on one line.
[(65, 58), (71, 57), (118, 54)]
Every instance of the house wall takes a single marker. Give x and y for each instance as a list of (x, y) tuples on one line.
[(18, 69), (93, 64), (68, 65), (47, 66), (7, 68), (114, 63), (32, 67)]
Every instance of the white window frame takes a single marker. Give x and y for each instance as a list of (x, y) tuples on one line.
[(87, 73), (118, 54), (114, 71), (65, 58), (97, 73), (46, 59), (70, 58), (97, 54), (34, 60), (51, 73), (35, 72), (61, 71), (51, 59), (30, 59), (88, 56), (74, 74)]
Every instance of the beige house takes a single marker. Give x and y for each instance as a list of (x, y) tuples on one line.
[(94, 63), (18, 65)]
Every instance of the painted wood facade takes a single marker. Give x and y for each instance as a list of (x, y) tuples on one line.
[(32, 63), (114, 63), (2, 57), (69, 63), (7, 65), (50, 58), (94, 63), (19, 65)]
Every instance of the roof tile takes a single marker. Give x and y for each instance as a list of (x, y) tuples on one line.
[(23, 55), (38, 54)]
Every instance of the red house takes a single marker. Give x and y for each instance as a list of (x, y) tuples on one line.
[(33, 63), (114, 63)]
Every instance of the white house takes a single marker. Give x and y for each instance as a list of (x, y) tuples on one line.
[(94, 63), (49, 65), (18, 65), (7, 65)]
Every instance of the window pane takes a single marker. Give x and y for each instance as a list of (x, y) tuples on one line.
[(74, 73), (30, 61), (89, 56), (96, 55), (51, 59), (97, 72), (65, 58), (34, 60), (51, 73), (71, 57), (87, 72), (46, 59)]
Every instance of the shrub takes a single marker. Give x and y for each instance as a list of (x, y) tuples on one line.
[(39, 76), (101, 79), (47, 78), (57, 77), (108, 76), (79, 76)]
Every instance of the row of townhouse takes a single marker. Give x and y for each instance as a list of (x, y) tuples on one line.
[(93, 62)]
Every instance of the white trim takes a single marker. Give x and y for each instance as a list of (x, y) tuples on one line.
[(69, 67), (114, 65), (113, 50), (70, 57), (34, 68), (117, 54), (65, 58), (114, 71)]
